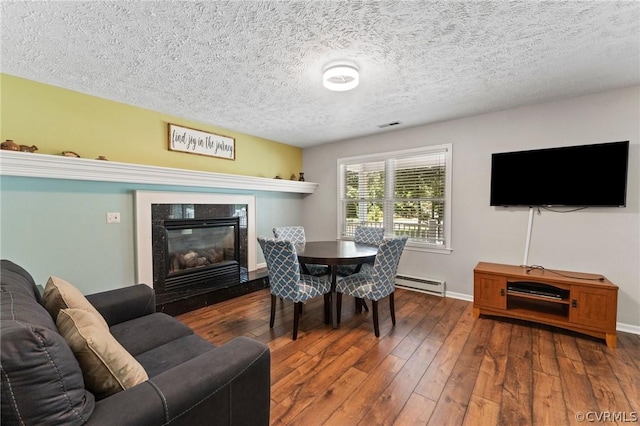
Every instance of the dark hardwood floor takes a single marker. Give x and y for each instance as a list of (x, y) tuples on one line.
[(437, 366)]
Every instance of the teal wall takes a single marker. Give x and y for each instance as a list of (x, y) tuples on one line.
[(58, 227)]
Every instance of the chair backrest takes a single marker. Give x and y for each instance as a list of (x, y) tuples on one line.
[(283, 266), (386, 265), (368, 235), (295, 234)]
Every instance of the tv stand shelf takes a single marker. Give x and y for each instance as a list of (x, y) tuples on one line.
[(586, 303)]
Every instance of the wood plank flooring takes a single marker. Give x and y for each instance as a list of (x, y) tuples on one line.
[(437, 366)]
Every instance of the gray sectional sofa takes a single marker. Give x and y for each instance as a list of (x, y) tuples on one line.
[(190, 380)]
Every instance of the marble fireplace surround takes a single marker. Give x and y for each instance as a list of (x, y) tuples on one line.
[(143, 202)]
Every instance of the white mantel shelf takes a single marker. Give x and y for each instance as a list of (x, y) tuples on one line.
[(27, 164)]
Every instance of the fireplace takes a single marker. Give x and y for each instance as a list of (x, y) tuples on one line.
[(196, 249), (199, 252)]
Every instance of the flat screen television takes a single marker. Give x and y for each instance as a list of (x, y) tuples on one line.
[(585, 176)]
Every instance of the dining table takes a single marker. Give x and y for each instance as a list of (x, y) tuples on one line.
[(334, 253)]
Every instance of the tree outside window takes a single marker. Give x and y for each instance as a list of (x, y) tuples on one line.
[(405, 192)]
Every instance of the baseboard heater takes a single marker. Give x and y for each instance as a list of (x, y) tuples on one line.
[(424, 285)]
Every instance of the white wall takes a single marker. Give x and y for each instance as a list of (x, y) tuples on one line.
[(598, 240)]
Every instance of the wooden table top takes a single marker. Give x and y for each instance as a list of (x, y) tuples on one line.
[(335, 252)]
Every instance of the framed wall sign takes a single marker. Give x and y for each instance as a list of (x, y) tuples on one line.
[(194, 141)]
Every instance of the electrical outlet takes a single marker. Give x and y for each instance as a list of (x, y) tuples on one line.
[(113, 217)]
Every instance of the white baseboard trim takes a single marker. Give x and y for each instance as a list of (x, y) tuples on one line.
[(628, 328), (461, 296)]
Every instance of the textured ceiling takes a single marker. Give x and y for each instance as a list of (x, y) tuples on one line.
[(255, 66)]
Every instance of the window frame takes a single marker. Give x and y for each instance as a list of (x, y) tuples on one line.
[(389, 188)]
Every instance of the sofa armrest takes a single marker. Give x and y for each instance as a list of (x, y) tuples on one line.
[(229, 385), (124, 304)]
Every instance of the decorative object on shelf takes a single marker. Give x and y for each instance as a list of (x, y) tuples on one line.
[(70, 154), (293, 177), (25, 148), (194, 141), (102, 157), (10, 145), (301, 178), (277, 177)]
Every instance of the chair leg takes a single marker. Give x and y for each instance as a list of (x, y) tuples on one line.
[(360, 303), (273, 311), (339, 305), (376, 327), (392, 308), (297, 307), (327, 308)]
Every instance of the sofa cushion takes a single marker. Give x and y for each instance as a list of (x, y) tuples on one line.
[(170, 355), (60, 294), (19, 280), (150, 331), (41, 379), (18, 306), (106, 366)]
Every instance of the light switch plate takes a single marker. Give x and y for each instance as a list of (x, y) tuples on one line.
[(113, 217)]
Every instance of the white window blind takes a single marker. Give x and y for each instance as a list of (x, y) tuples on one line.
[(404, 192)]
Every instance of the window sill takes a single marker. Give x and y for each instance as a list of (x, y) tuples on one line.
[(427, 248)]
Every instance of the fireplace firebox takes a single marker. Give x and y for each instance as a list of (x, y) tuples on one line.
[(201, 252), (196, 254)]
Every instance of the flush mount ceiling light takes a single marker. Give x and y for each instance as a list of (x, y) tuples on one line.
[(341, 77)]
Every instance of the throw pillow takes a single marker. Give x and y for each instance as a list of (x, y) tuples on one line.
[(59, 294), (106, 366)]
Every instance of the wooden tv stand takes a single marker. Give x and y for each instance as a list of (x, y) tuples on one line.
[(586, 303)]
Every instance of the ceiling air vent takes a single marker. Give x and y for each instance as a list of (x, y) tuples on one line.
[(395, 123)]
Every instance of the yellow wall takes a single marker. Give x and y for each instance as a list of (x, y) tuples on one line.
[(57, 120)]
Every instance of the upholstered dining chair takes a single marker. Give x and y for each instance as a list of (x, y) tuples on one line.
[(288, 283), (363, 235), (378, 283), (296, 235), (369, 235)]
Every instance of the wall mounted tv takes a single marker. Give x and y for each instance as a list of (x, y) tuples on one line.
[(585, 176)]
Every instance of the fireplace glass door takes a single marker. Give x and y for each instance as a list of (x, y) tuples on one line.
[(198, 249)]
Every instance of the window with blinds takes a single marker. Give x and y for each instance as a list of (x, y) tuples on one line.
[(404, 192)]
